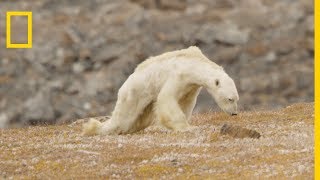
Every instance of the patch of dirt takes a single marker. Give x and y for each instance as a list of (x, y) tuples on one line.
[(284, 150), (239, 132)]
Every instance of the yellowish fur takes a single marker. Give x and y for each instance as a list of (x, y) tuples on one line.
[(191, 52), (92, 127)]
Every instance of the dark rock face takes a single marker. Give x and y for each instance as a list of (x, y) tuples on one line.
[(84, 50), (39, 108)]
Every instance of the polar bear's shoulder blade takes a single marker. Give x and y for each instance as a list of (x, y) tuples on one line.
[(191, 52)]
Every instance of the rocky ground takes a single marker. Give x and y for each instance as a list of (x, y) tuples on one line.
[(84, 50), (284, 150)]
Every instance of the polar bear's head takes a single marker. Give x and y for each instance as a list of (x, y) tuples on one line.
[(225, 93)]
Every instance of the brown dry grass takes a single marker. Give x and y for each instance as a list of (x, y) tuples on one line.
[(284, 150)]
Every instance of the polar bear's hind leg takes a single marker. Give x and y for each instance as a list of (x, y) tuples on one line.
[(146, 118), (92, 127), (126, 113)]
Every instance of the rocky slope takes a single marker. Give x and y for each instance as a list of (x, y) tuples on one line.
[(283, 151), (84, 50)]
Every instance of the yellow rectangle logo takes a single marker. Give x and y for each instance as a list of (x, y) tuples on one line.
[(19, 13)]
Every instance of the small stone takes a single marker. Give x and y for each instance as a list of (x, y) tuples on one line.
[(196, 9), (239, 132), (301, 168), (231, 34), (270, 57), (78, 68), (82, 66), (3, 120), (87, 106)]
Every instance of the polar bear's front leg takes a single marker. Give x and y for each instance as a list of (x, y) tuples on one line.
[(188, 101), (168, 109)]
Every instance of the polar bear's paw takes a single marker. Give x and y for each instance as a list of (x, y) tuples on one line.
[(188, 129), (91, 128), (184, 127)]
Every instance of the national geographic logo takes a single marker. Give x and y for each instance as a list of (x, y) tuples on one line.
[(10, 42)]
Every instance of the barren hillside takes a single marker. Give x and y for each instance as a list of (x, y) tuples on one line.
[(285, 149)]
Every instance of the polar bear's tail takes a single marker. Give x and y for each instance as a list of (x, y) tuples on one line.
[(92, 127)]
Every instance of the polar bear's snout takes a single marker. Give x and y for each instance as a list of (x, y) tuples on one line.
[(229, 107), (232, 110)]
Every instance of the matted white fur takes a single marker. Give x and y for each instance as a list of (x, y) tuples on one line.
[(164, 89)]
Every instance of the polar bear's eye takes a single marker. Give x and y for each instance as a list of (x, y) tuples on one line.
[(231, 100), (217, 82)]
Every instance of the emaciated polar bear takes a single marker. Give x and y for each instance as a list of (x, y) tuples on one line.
[(164, 89)]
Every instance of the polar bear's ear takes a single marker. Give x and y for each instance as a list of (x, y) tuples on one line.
[(217, 82)]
